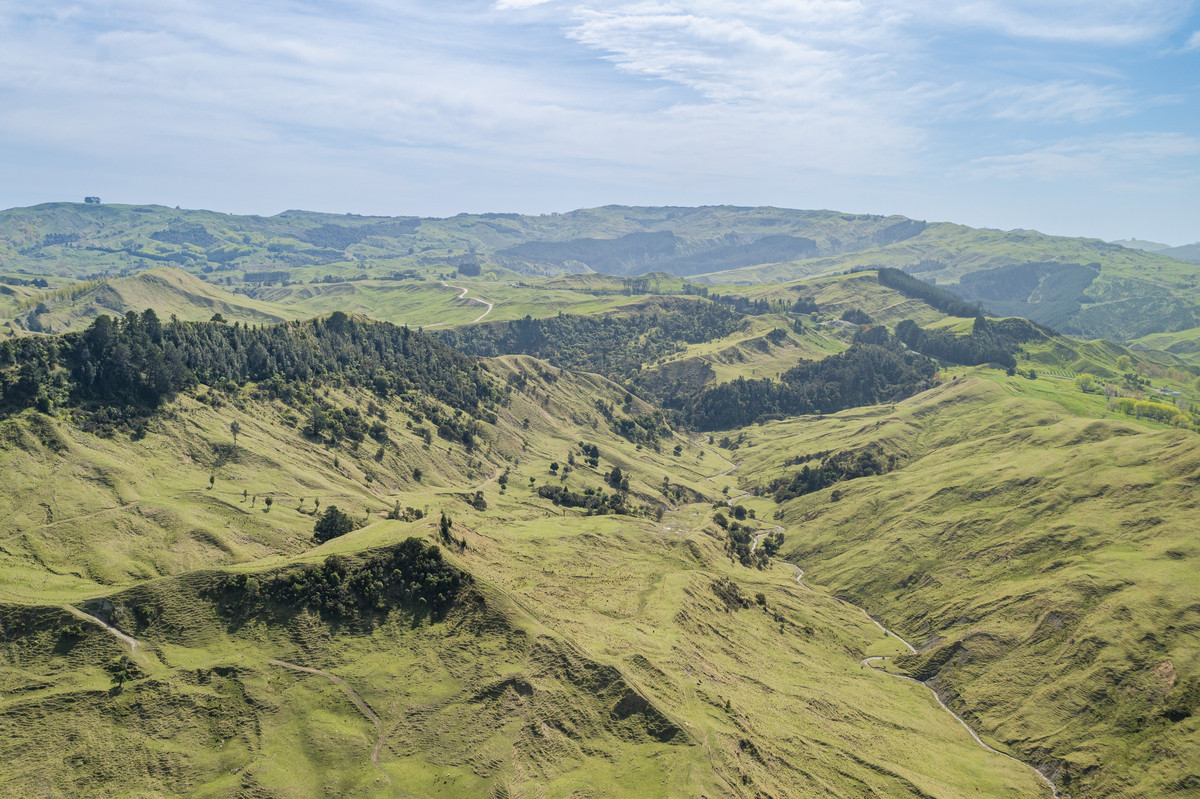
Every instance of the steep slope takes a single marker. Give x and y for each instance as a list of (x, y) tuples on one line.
[(564, 652), (1081, 286), (170, 292), (1043, 564)]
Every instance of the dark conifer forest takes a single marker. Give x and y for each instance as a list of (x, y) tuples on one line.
[(138, 362), (874, 369)]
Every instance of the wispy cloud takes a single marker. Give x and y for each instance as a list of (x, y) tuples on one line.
[(1059, 101), (508, 5), (1115, 156), (1105, 22), (503, 102)]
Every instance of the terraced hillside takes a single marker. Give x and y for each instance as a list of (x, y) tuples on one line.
[(522, 647), (541, 578), (1041, 561)]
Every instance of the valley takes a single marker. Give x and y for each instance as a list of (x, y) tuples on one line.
[(453, 512)]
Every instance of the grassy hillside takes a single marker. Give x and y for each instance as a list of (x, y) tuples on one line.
[(412, 300), (588, 653), (1040, 560), (170, 292), (1082, 286), (84, 239), (1183, 344), (607, 613)]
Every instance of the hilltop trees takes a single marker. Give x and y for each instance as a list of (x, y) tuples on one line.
[(939, 298), (611, 344), (409, 574), (136, 362), (988, 342), (874, 369)]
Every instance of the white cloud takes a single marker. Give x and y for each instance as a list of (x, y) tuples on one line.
[(1194, 42), (638, 97), (507, 5), (1105, 157), (1058, 101), (1106, 22)]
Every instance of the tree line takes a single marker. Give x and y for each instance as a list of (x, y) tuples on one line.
[(988, 342), (874, 369), (614, 346), (138, 362), (913, 288)]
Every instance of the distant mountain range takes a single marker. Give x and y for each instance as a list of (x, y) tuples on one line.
[(1187, 252), (1082, 286)]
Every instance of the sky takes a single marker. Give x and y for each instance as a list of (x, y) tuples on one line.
[(1072, 117)]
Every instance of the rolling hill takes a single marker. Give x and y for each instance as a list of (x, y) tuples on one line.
[(543, 578), (1081, 286), (1039, 560), (562, 650)]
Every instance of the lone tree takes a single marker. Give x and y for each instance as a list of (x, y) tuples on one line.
[(122, 669), (235, 428), (332, 523)]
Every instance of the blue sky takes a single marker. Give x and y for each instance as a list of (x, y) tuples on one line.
[(1070, 117)]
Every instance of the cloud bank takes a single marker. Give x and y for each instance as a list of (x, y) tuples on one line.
[(420, 107)]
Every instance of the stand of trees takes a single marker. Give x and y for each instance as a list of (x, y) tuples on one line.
[(846, 465), (595, 502), (989, 342), (857, 316), (805, 305), (137, 362), (410, 575), (939, 298), (744, 305), (874, 369), (615, 346), (333, 522)]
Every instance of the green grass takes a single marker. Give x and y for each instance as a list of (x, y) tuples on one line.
[(416, 302), (1048, 537), (1056, 549), (1135, 293), (517, 690)]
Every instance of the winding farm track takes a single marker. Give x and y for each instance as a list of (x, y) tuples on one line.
[(74, 611), (870, 662), (362, 706), (463, 296)]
